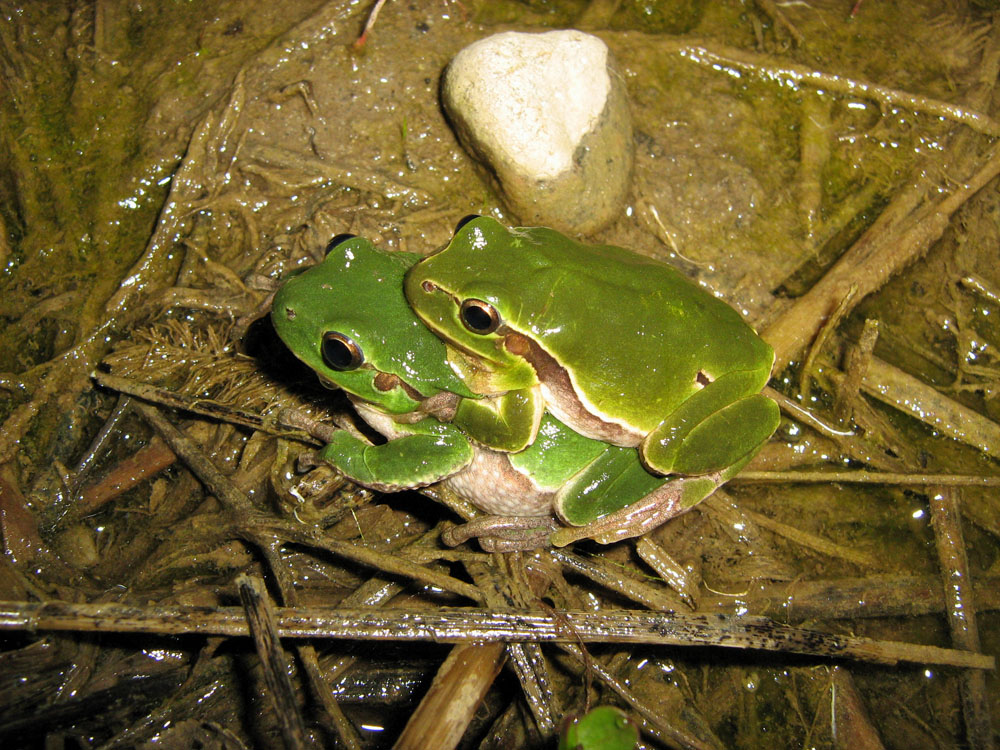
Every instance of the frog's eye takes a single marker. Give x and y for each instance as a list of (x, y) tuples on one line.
[(479, 317), (465, 220), (341, 353), (336, 241)]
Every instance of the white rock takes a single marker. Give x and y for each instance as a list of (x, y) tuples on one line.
[(547, 114)]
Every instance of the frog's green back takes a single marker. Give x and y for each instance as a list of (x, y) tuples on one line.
[(635, 333)]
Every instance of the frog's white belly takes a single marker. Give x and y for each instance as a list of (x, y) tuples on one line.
[(494, 486)]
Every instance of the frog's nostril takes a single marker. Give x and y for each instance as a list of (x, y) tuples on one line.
[(429, 286), (290, 313), (702, 378)]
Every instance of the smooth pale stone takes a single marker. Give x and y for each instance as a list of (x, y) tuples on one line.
[(548, 116)]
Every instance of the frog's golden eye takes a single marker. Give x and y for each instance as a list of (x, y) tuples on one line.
[(341, 353), (479, 317), (336, 241)]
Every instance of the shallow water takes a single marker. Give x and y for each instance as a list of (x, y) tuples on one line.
[(158, 155)]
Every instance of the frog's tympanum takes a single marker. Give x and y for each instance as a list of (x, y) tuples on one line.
[(347, 319), (620, 348)]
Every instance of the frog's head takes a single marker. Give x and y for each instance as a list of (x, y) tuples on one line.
[(463, 294), (347, 319)]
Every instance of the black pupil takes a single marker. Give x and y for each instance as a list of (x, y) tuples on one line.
[(337, 240), (338, 354), (465, 220), (477, 318)]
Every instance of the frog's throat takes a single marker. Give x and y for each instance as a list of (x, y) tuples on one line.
[(561, 397)]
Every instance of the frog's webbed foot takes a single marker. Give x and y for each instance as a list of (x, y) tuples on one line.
[(503, 533), (669, 500)]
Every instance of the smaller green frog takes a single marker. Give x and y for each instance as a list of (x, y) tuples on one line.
[(601, 728), (620, 347), (347, 319)]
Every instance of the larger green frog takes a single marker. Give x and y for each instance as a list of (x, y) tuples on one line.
[(347, 319), (620, 347)]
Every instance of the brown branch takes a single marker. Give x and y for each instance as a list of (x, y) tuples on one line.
[(264, 630), (901, 390), (810, 541), (454, 696), (946, 519), (837, 84), (852, 726), (605, 573), (857, 360), (137, 468), (466, 625), (675, 575), (869, 264), (204, 407)]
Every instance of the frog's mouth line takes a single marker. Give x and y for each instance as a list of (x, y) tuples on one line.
[(381, 381)]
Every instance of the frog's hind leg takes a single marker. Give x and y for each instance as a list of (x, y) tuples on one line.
[(700, 437), (503, 533), (670, 499)]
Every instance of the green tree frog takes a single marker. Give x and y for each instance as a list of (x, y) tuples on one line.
[(347, 319), (620, 347), (601, 728)]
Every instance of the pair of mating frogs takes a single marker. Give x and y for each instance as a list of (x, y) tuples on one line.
[(567, 390)]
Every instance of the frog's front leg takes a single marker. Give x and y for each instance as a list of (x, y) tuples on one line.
[(407, 462), (507, 423), (720, 425)]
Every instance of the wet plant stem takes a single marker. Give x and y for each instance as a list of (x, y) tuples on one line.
[(729, 57), (872, 260), (264, 631), (867, 477), (460, 625), (960, 608)]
